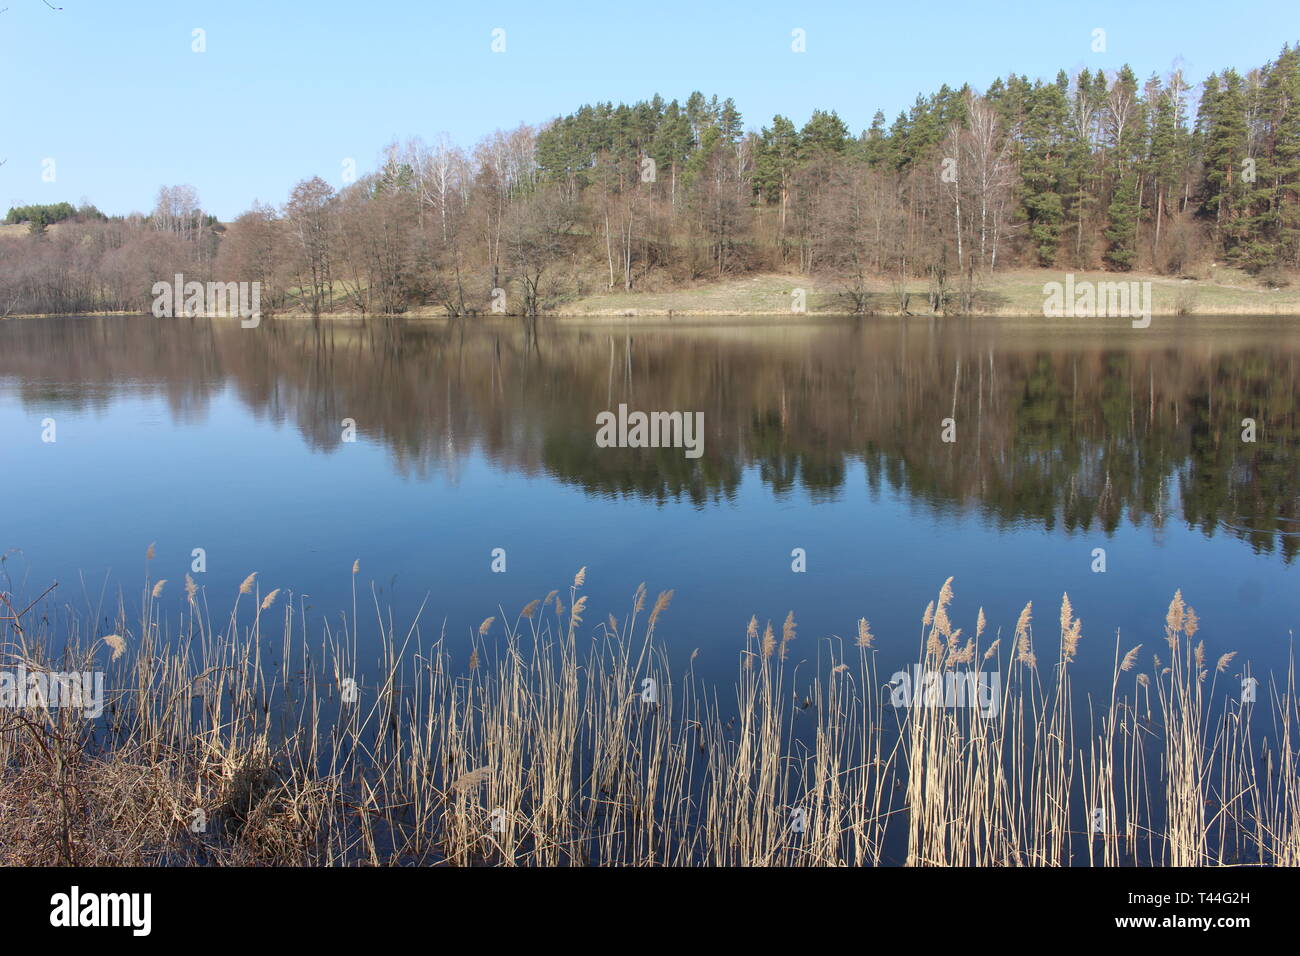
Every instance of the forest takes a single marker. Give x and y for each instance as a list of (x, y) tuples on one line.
[(1084, 172)]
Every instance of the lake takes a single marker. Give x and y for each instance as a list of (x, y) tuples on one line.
[(826, 435)]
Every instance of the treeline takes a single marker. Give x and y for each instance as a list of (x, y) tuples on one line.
[(39, 216), (1093, 171)]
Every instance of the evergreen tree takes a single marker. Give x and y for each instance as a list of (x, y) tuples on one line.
[(1042, 167), (778, 152), (1123, 217), (823, 134), (1222, 121)]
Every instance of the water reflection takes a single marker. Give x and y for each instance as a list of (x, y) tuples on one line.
[(1060, 425)]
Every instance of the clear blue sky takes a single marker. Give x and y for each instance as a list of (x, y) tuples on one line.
[(286, 90)]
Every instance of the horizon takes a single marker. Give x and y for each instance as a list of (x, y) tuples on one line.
[(243, 84)]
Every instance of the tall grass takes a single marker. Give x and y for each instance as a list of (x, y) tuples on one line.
[(549, 740)]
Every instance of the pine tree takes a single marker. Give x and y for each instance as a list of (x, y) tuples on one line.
[(1222, 123), (1286, 156), (1042, 167), (1123, 217), (1273, 228), (874, 144), (774, 165), (1162, 161), (1126, 137), (824, 133), (1080, 175)]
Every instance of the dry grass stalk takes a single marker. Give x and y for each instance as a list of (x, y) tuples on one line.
[(543, 754)]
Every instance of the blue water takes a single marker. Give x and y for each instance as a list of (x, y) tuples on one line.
[(176, 448)]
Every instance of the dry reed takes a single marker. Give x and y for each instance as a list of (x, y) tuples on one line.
[(551, 744)]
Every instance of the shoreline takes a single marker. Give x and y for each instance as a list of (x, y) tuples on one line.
[(1016, 294), (671, 314)]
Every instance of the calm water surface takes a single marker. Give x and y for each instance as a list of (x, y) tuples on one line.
[(821, 435)]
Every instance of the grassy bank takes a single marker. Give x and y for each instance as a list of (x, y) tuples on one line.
[(1220, 291), (234, 738), (1012, 293)]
